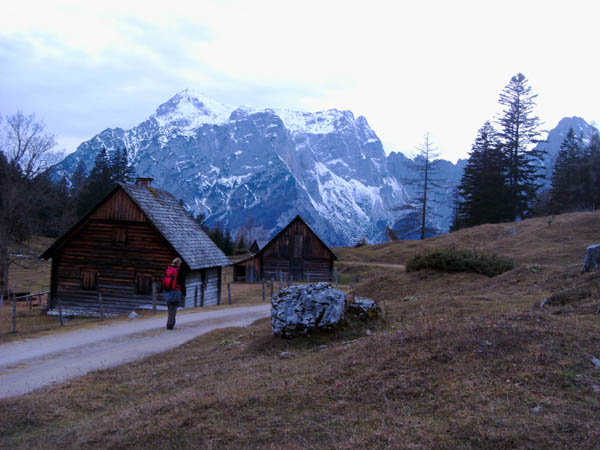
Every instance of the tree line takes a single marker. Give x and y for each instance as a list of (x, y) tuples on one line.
[(502, 179)]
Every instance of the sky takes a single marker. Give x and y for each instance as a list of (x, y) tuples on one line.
[(408, 67)]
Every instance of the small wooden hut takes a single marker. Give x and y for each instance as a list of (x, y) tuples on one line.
[(295, 253), (257, 246), (124, 244)]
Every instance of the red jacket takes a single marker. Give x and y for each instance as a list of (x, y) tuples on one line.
[(175, 274)]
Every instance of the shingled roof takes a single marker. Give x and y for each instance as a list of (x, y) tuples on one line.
[(177, 226), (169, 218)]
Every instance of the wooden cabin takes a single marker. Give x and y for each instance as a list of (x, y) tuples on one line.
[(257, 246), (124, 245), (295, 253)]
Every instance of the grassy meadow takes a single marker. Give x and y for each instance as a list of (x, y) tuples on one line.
[(458, 360)]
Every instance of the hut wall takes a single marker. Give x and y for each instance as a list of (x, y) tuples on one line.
[(247, 271), (120, 250), (120, 266), (296, 252), (212, 278)]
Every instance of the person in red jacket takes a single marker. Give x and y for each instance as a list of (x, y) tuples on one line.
[(174, 289)]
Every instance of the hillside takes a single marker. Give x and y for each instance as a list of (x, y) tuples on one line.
[(460, 361)]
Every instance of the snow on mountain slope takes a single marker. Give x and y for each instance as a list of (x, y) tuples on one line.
[(250, 168)]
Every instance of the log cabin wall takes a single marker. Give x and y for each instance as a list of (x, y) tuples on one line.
[(124, 270), (212, 278), (295, 252), (119, 253)]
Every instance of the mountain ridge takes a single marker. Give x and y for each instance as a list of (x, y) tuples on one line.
[(256, 169)]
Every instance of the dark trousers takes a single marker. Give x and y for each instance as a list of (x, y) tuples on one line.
[(172, 312), (173, 299)]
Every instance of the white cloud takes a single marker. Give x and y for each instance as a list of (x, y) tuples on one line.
[(408, 67)]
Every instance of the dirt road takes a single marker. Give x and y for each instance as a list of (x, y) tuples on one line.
[(34, 363), (373, 264)]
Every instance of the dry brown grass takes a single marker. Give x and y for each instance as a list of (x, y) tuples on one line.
[(461, 361), (28, 273)]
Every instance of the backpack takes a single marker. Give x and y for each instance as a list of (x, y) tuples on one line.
[(169, 281)]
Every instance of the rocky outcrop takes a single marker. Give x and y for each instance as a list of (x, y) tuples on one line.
[(297, 310), (592, 258), (363, 308)]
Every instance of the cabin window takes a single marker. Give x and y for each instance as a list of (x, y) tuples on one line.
[(143, 283), (119, 234), (89, 280)]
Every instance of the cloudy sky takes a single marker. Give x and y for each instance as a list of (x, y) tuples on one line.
[(413, 67)]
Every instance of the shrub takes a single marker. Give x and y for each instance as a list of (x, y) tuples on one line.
[(452, 260)]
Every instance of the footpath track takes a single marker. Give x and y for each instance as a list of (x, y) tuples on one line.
[(34, 363)]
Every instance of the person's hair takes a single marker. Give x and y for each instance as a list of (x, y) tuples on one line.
[(176, 262)]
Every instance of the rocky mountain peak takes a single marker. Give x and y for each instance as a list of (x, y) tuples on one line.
[(191, 109)]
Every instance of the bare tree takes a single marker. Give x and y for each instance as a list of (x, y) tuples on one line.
[(25, 153), (424, 167)]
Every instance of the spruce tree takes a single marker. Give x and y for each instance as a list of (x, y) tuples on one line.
[(592, 154), (482, 190), (121, 170), (567, 191), (518, 132), (97, 185)]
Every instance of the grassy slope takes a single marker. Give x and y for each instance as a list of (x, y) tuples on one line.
[(468, 361)]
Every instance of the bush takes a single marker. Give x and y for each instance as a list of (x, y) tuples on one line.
[(452, 260)]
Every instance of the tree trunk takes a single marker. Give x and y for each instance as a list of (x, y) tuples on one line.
[(4, 268)]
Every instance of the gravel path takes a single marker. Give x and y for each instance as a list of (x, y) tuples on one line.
[(33, 363)]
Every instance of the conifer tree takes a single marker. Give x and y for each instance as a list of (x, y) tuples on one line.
[(567, 193), (241, 243), (419, 213), (518, 132), (482, 190), (78, 180), (227, 243), (121, 170), (97, 184), (592, 155)]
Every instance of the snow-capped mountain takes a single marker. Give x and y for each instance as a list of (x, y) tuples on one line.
[(244, 167)]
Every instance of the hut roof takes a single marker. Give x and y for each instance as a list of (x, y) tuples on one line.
[(169, 218), (266, 243)]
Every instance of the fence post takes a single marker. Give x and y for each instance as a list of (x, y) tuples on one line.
[(271, 287), (196, 296), (280, 279), (60, 316), (29, 300), (100, 306), (229, 293), (202, 290), (1, 299), (336, 278), (154, 297), (263, 289), (308, 276), (14, 314)]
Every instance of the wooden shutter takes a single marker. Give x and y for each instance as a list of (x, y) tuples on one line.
[(89, 280), (143, 283)]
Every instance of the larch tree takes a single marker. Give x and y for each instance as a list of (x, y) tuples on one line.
[(425, 166), (519, 131)]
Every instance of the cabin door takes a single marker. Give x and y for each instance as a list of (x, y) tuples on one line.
[(297, 262)]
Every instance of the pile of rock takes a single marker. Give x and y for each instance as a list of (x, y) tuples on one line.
[(297, 310), (363, 308)]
